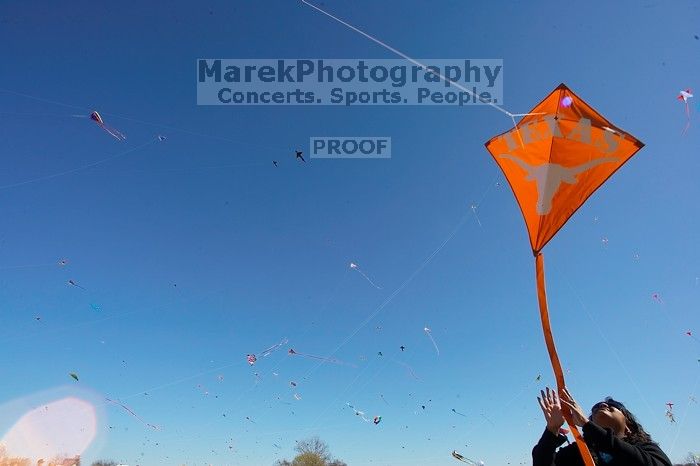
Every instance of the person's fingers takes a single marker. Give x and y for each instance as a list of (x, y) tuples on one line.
[(572, 406), (552, 398), (544, 409), (574, 410), (566, 407), (566, 395)]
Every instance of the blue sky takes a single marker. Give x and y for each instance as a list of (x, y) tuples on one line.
[(197, 251)]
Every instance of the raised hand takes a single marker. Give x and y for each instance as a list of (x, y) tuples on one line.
[(551, 408), (577, 414)]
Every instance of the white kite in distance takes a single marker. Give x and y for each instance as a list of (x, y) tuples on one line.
[(684, 96), (357, 267), (430, 335)]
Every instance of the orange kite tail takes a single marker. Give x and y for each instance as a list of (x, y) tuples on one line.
[(554, 358)]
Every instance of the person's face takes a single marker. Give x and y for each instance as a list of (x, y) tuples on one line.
[(609, 415)]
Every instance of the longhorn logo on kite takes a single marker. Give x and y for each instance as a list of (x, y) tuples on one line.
[(550, 176)]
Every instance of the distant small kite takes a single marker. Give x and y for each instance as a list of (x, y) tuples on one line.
[(127, 409), (292, 352), (94, 116), (464, 459), (684, 96), (252, 359), (669, 412), (266, 352), (72, 283), (430, 335), (357, 267)]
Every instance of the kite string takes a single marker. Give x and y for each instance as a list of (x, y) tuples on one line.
[(488, 189), (26, 266), (348, 387), (334, 292), (52, 115), (398, 290), (282, 360), (77, 169), (184, 379), (667, 316), (475, 207), (384, 304), (412, 60), (124, 117), (154, 427), (186, 131), (430, 335), (502, 407), (429, 70), (368, 279), (41, 99), (421, 65)]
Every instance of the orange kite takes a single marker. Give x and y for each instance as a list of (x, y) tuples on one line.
[(554, 159)]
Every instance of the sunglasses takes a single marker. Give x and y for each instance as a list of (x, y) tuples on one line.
[(614, 404)]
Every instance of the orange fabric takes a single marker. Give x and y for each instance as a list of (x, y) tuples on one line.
[(554, 161), (554, 358)]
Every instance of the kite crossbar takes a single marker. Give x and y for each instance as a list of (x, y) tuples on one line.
[(526, 114)]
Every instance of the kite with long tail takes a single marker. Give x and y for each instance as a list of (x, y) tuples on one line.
[(464, 459), (354, 266), (430, 335), (293, 352), (684, 96), (569, 150), (127, 409), (94, 116)]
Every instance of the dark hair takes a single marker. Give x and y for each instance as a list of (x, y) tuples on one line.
[(637, 433)]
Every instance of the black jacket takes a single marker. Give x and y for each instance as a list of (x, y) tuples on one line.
[(611, 450)]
